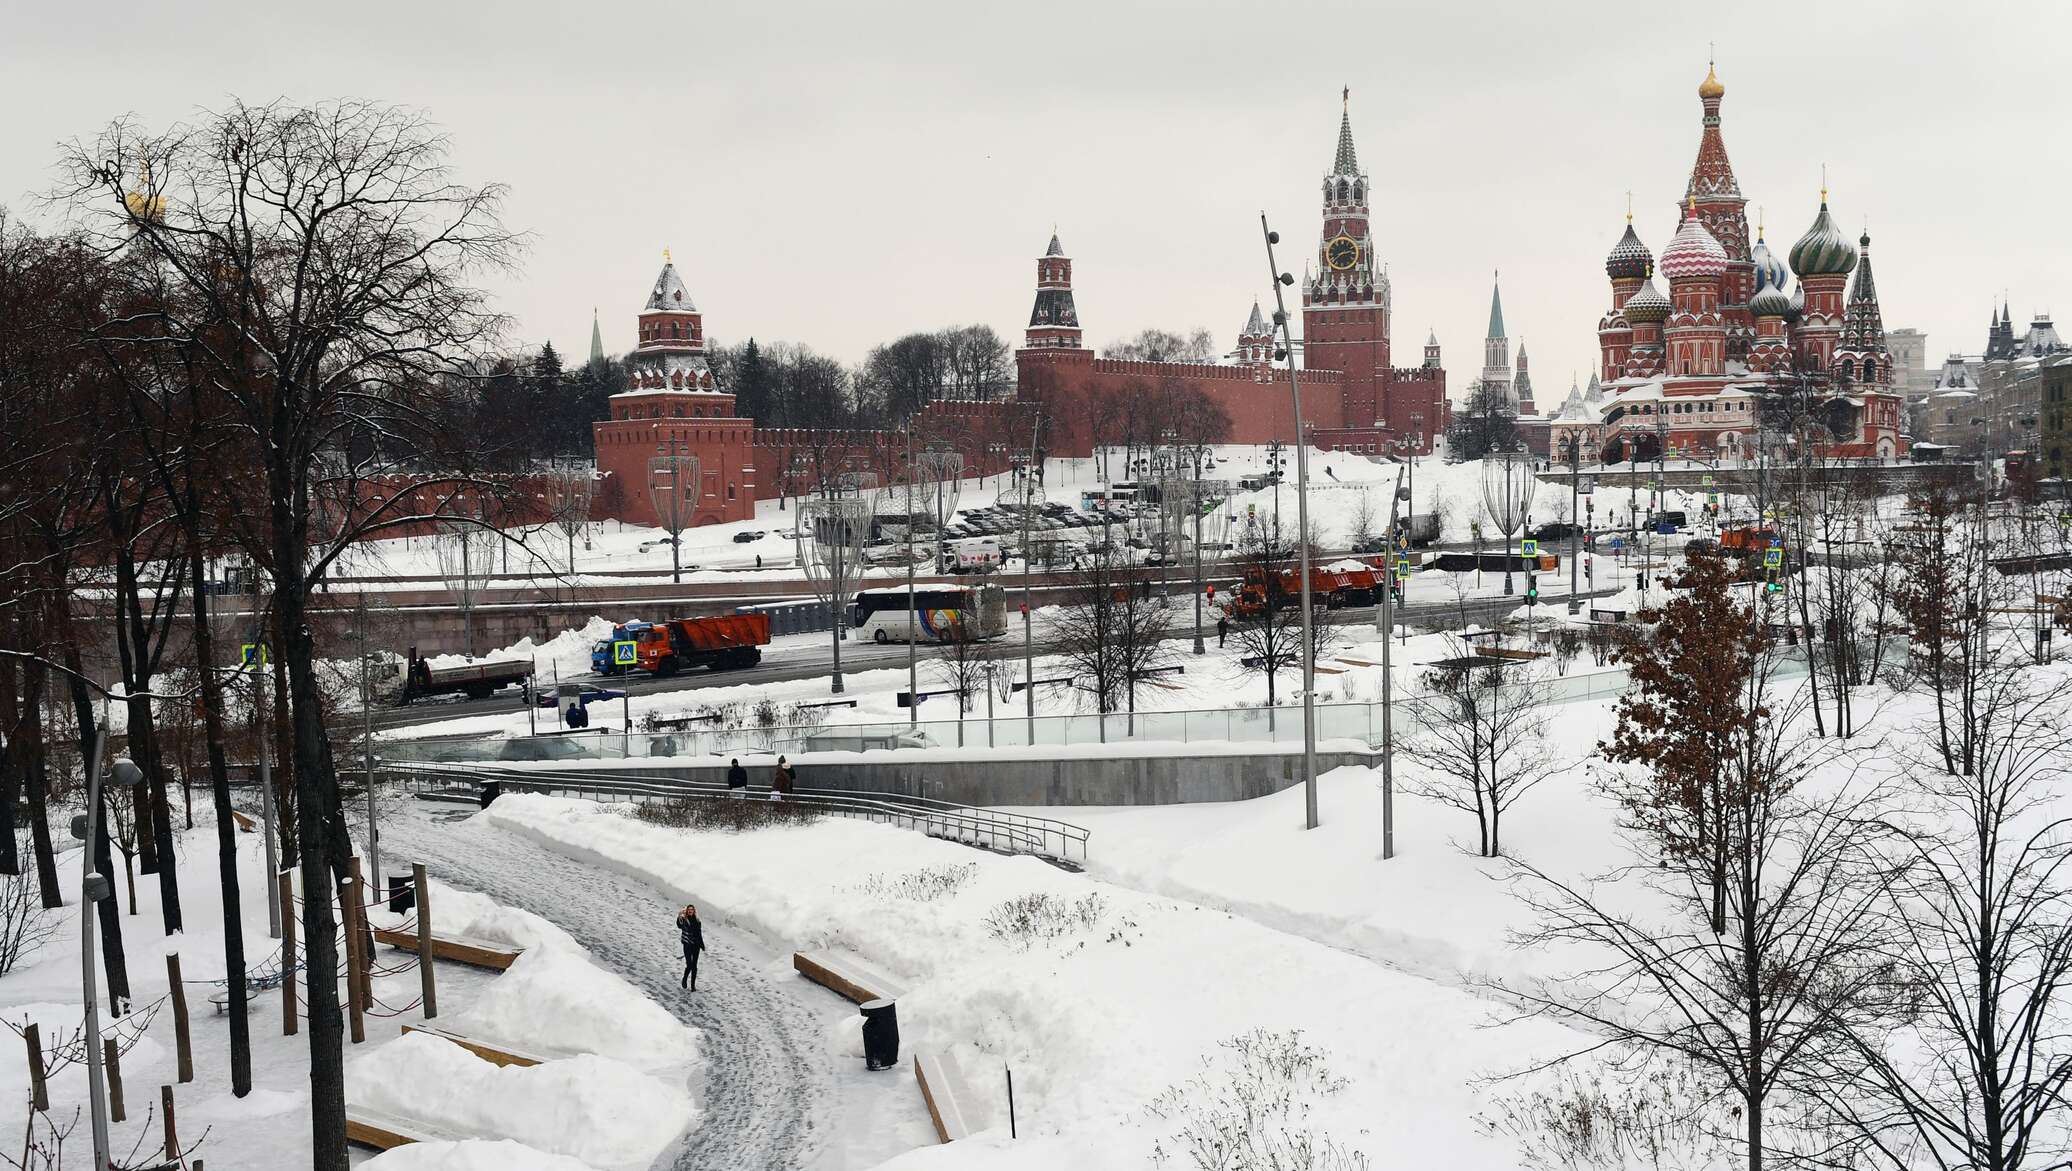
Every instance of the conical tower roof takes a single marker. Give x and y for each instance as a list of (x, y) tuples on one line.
[(1255, 324), (1496, 310), (1055, 249), (1345, 162), (1712, 175), (596, 337), (670, 293), (1863, 324)]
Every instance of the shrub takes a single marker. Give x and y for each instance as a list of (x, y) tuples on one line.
[(25, 924), (1248, 1109), (1025, 920), (922, 886), (726, 814)]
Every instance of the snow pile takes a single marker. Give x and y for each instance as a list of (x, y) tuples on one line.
[(1099, 998), (560, 1001), (602, 1112), (566, 655), (472, 916), (472, 1155)]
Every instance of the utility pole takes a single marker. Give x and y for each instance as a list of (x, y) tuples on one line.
[(913, 622), (367, 725), (93, 887), (1309, 646), (1033, 468), (1575, 537), (1385, 619)]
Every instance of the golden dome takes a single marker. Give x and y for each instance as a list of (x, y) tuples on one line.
[(144, 203), (1711, 88)]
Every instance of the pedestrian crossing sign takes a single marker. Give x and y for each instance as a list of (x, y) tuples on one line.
[(1708, 481), (625, 653), (1402, 567), (251, 654), (1773, 559), (1529, 547)]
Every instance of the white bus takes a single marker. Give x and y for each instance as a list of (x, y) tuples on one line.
[(939, 614)]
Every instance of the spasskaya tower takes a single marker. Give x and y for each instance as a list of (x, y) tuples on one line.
[(1345, 312)]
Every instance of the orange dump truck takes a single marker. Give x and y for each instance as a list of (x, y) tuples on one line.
[(719, 642)]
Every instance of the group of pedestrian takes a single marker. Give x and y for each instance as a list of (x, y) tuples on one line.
[(783, 782)]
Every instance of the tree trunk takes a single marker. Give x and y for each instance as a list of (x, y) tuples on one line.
[(36, 777), (113, 959), (130, 651), (226, 829)]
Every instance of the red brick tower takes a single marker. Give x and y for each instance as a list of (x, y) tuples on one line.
[(1695, 333), (671, 354), (1724, 212), (1345, 308)]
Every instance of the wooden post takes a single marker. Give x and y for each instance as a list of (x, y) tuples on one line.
[(183, 1044), (291, 1017), (349, 894), (39, 1093), (172, 1136), (423, 882), (111, 1060)]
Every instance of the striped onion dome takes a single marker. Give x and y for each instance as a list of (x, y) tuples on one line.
[(1770, 301), (1629, 258), (1770, 272), (1825, 250), (1646, 304), (1694, 252)]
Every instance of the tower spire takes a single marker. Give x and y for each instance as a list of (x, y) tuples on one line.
[(1346, 162), (596, 338)]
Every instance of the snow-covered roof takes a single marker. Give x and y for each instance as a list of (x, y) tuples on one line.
[(670, 294)]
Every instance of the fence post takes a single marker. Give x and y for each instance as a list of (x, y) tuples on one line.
[(172, 1136), (423, 882), (111, 1060), (39, 1092), (291, 1017), (350, 895), (182, 1043)]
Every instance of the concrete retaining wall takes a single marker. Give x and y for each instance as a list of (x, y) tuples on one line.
[(1077, 780)]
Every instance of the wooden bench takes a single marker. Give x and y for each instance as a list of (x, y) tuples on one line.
[(244, 821), (493, 1053), (845, 977), (479, 953), (951, 1104), (371, 1128)]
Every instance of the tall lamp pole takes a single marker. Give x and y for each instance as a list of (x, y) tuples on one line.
[(1386, 619), (1309, 646)]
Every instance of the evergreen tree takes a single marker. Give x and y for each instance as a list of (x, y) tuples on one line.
[(751, 384)]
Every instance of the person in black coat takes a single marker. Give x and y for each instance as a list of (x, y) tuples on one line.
[(737, 779), (692, 933)]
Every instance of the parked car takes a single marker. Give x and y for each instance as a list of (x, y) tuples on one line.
[(590, 693), (749, 536), (1559, 530), (1674, 521)]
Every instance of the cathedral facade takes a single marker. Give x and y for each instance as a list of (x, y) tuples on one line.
[(1682, 373)]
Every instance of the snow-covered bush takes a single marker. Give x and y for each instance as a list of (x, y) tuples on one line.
[(922, 886), (1028, 919), (1249, 1110), (722, 813), (1650, 1120)]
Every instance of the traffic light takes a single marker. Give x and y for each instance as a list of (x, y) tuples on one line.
[(1532, 589)]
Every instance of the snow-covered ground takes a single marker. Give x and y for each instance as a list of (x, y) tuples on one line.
[(1099, 998)]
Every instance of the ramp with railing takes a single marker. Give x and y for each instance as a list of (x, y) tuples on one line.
[(1055, 841)]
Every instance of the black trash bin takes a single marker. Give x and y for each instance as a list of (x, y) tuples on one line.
[(880, 1034), (490, 791), (402, 892)]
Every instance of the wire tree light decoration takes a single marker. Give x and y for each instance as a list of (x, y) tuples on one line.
[(1507, 486), (673, 481), (833, 531), (925, 496), (1193, 512)]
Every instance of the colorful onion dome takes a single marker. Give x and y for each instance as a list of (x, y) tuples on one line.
[(1711, 87), (1694, 252), (1770, 301), (1770, 272), (1825, 250), (1646, 304), (1629, 258)]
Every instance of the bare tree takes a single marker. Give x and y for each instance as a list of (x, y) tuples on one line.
[(1109, 630), (1761, 1009), (1266, 615), (568, 506), (467, 559), (326, 271), (1481, 739), (25, 923)]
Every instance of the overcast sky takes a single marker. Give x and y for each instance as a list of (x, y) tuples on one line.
[(838, 174)]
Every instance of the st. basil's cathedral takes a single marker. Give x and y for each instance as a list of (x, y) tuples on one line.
[(1681, 374)]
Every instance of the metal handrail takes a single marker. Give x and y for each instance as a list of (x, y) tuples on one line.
[(1008, 833)]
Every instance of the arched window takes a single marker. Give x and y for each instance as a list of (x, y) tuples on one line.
[(1870, 370), (1342, 189)]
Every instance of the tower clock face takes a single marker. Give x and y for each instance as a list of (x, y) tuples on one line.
[(1342, 252)]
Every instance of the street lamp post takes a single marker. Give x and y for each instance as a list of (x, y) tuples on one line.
[(1386, 617), (93, 887), (1309, 648)]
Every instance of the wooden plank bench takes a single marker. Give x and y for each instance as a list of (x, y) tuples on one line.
[(847, 978), (951, 1104), (370, 1128), (495, 1053), (479, 953), (244, 821)]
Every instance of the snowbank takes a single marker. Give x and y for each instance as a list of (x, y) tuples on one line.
[(602, 1112), (560, 1001), (472, 1155), (1099, 998)]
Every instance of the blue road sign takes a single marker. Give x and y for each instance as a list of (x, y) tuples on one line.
[(625, 653), (251, 653), (1529, 547), (1773, 559)]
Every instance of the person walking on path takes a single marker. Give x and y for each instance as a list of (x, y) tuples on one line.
[(1222, 630), (782, 782), (737, 780), (692, 932)]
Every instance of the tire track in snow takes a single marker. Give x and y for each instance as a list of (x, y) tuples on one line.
[(766, 1067)]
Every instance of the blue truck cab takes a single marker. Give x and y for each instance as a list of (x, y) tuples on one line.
[(601, 653)]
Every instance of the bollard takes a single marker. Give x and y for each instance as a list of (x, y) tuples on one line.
[(425, 966), (39, 1093), (111, 1060), (172, 1137)]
